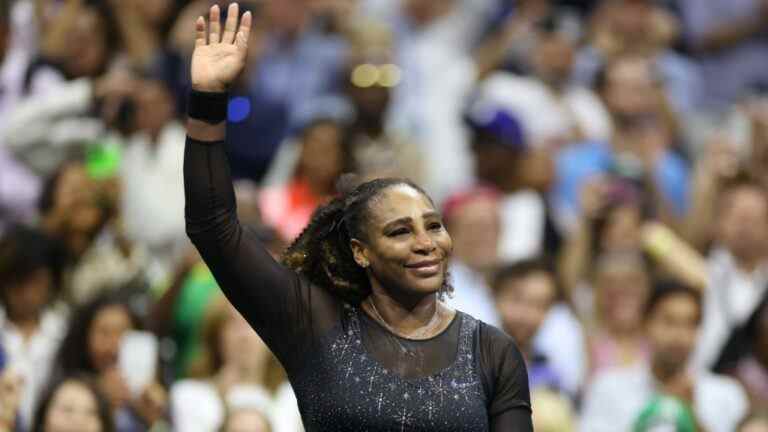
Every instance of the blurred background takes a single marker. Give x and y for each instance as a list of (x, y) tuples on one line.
[(601, 165)]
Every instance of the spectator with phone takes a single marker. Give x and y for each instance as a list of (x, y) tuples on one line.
[(31, 324), (641, 148), (93, 346)]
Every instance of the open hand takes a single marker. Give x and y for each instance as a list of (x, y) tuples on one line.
[(219, 58)]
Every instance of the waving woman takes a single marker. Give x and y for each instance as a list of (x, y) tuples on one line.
[(354, 312)]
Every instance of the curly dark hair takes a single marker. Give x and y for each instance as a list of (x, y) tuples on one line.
[(322, 252)]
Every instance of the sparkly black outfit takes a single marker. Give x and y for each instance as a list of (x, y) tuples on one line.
[(348, 372)]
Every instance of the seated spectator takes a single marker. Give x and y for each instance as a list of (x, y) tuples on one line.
[(19, 187), (617, 397), (78, 209), (621, 287), (745, 356), (473, 219), (69, 92), (151, 160), (505, 159), (74, 403), (31, 326), (641, 148), (574, 112), (92, 346), (728, 41), (559, 338), (647, 29), (738, 265), (611, 220), (525, 293), (323, 157), (369, 79), (233, 363)]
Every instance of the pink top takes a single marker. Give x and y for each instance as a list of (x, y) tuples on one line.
[(288, 208), (605, 352)]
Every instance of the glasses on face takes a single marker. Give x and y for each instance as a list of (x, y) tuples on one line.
[(370, 75)]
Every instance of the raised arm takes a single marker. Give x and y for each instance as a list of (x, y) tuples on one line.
[(272, 298)]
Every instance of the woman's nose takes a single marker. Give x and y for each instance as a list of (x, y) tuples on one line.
[(424, 243)]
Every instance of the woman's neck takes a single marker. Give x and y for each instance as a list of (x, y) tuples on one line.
[(412, 318)]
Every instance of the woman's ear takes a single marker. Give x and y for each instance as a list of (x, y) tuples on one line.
[(360, 253)]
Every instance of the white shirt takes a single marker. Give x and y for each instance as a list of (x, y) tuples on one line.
[(729, 300), (617, 396), (152, 199), (523, 216), (472, 295), (545, 116), (32, 359), (196, 406), (561, 339)]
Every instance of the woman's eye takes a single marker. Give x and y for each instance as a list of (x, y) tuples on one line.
[(435, 226), (398, 232)]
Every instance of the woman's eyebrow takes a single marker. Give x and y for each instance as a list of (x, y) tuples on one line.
[(402, 220)]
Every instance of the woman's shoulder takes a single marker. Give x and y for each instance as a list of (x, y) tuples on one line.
[(493, 338), (497, 351)]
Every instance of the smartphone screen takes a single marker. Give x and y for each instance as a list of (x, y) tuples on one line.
[(138, 360)]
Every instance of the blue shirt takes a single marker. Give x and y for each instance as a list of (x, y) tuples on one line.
[(582, 161)]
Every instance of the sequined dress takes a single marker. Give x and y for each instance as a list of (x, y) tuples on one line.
[(348, 372), (350, 390)]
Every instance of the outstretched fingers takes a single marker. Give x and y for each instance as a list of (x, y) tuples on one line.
[(200, 35), (215, 24), (244, 31), (231, 24)]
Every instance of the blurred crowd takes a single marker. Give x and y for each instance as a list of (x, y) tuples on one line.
[(601, 165)]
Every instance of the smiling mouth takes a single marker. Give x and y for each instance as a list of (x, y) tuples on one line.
[(425, 268)]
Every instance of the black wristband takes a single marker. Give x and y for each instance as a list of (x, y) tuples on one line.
[(210, 107)]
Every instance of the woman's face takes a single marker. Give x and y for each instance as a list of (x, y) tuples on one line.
[(476, 228), (88, 44), (240, 345), (407, 245), (321, 154), (76, 197), (622, 291), (27, 298), (73, 409), (104, 336)]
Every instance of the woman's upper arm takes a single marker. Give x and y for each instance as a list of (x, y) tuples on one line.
[(273, 298), (503, 367), (513, 420)]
